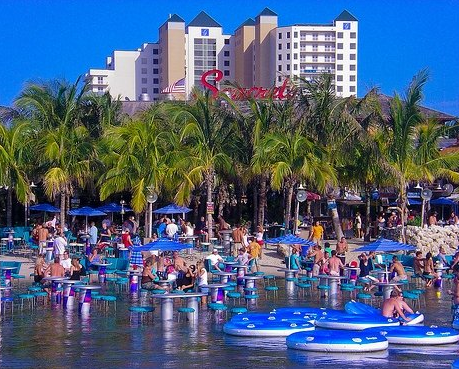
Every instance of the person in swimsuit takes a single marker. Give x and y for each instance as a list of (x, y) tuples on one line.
[(149, 277)]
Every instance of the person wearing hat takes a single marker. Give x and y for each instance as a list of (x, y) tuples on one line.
[(215, 259)]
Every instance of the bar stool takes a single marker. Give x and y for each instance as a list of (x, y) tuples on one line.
[(304, 287), (41, 296), (217, 308), (273, 289), (233, 296), (141, 311), (268, 278), (238, 310), (27, 297), (185, 310), (5, 301), (107, 299)]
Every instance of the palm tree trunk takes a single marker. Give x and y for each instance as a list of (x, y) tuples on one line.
[(335, 219), (209, 184), (9, 207), (403, 197), (288, 206), (63, 197), (262, 204), (255, 205), (367, 216)]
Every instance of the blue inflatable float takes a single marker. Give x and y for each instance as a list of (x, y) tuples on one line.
[(358, 308), (417, 335), (355, 322), (337, 341), (274, 328)]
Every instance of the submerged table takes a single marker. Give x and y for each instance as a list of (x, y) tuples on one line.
[(69, 292), (102, 270), (240, 273), (167, 303), (216, 292), (439, 270), (289, 273), (332, 281), (7, 273), (387, 288), (56, 295), (134, 275), (229, 265), (85, 298), (3, 288), (225, 276), (250, 280), (352, 273)]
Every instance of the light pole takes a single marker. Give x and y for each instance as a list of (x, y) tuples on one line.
[(151, 199), (426, 195), (122, 203), (301, 196)]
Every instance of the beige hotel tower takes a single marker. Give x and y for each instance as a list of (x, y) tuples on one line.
[(260, 53)]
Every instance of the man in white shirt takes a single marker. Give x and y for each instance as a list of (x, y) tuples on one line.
[(66, 263), (93, 235), (60, 243), (215, 258), (171, 229)]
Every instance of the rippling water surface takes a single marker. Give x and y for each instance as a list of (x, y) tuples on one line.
[(53, 338)]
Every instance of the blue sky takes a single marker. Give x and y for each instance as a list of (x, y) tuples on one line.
[(44, 39)]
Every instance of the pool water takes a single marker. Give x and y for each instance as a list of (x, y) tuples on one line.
[(54, 338)]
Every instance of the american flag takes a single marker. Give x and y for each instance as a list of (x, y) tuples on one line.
[(176, 87)]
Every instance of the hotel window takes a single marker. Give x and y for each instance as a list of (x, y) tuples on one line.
[(339, 67), (227, 41), (155, 81), (205, 53), (288, 34), (100, 80), (226, 53), (155, 51), (100, 88), (340, 35), (288, 56), (315, 47), (339, 88), (353, 35), (226, 63), (288, 66), (339, 56), (339, 45), (295, 66), (280, 36), (352, 57), (314, 58), (156, 90), (315, 37), (155, 61), (295, 56), (295, 34), (144, 90), (327, 59), (339, 78), (295, 45), (351, 88), (226, 73), (279, 57), (279, 46), (352, 67), (279, 68), (288, 45), (352, 78), (353, 45), (144, 60), (155, 71), (279, 79), (144, 81), (144, 71)]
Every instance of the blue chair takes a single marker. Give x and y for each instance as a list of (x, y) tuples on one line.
[(185, 310)]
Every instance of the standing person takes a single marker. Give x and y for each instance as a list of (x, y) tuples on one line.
[(255, 252), (135, 224), (60, 243), (317, 233), (237, 236), (172, 230), (295, 262), (358, 225), (43, 234), (418, 263), (335, 264), (341, 248), (318, 255), (433, 219), (243, 257), (429, 269), (201, 280), (365, 265), (93, 232)]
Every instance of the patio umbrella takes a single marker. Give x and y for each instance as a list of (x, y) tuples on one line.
[(290, 239), (113, 208), (45, 208), (172, 209), (86, 211), (385, 245), (163, 244)]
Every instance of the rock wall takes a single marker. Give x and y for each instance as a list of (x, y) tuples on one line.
[(431, 238)]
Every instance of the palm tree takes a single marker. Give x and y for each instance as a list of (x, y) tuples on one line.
[(410, 145), (15, 157), (208, 133), (294, 158)]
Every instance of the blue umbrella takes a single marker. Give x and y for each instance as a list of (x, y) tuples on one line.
[(163, 244), (385, 245), (172, 209), (86, 211), (290, 239), (113, 208), (45, 207)]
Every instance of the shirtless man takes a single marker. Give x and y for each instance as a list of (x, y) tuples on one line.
[(55, 269), (455, 294), (341, 249), (418, 264), (399, 270), (318, 256), (335, 264), (392, 307), (179, 263), (237, 236)]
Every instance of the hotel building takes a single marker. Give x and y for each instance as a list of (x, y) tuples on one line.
[(260, 53)]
